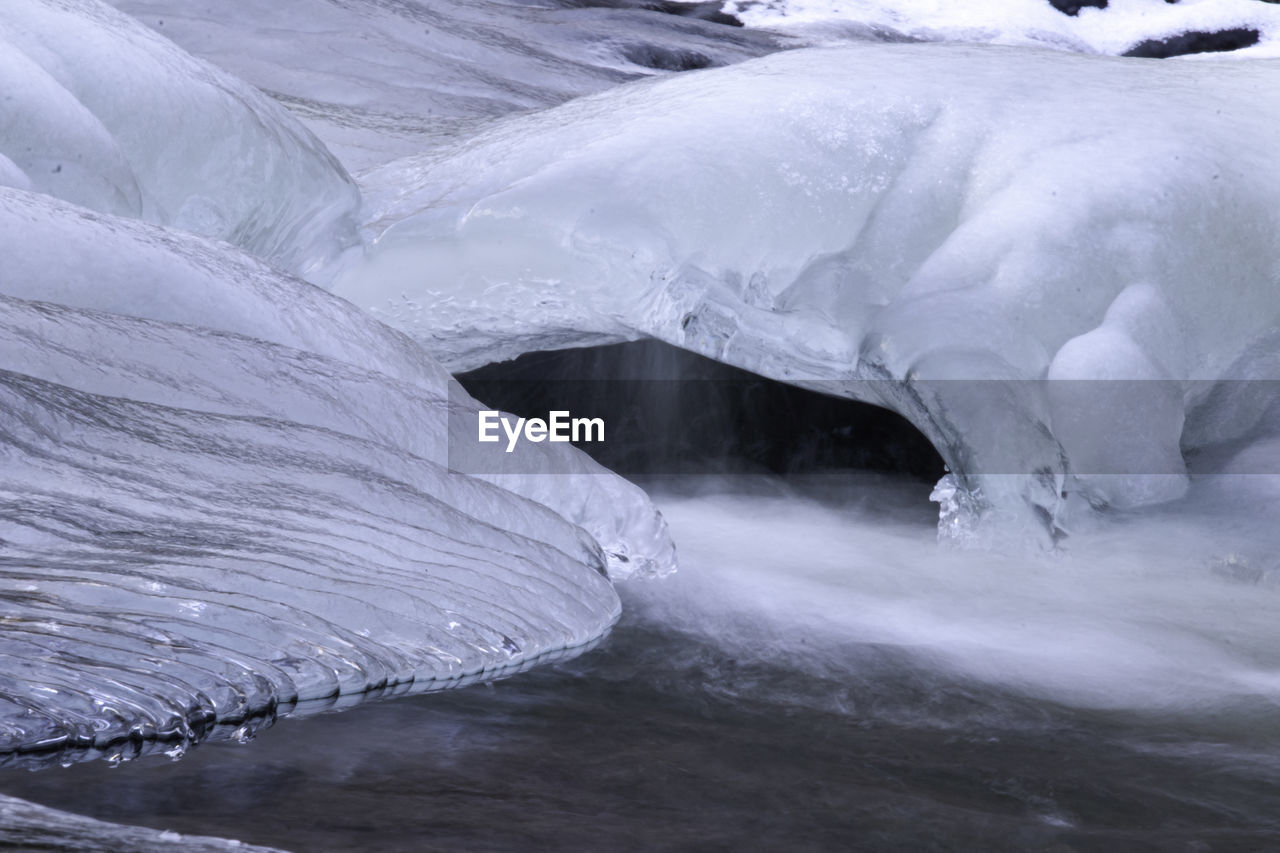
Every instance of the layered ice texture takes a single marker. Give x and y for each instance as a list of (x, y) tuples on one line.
[(933, 228), (27, 826), (235, 501), (103, 112), (226, 493), (59, 254), (380, 80)]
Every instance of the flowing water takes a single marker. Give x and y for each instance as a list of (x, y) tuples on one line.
[(819, 675)]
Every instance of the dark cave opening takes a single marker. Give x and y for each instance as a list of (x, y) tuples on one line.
[(671, 411)]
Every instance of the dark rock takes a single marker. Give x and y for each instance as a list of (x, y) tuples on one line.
[(1073, 7), (1195, 42), (704, 11), (665, 58)]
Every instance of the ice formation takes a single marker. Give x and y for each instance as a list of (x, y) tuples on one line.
[(377, 80), (27, 826), (60, 254), (938, 227), (103, 112), (226, 494)]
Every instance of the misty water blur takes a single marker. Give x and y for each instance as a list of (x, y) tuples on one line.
[(1166, 609), (1157, 613), (820, 672)]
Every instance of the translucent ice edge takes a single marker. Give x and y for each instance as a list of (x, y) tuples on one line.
[(225, 497), (28, 826)]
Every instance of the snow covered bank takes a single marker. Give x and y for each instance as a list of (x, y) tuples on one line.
[(1117, 27)]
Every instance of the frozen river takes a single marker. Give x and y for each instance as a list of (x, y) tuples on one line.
[(1020, 257)]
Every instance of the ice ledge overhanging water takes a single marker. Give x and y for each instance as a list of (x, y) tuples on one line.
[(908, 214)]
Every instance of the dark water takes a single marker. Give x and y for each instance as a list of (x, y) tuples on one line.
[(655, 741), (702, 723)]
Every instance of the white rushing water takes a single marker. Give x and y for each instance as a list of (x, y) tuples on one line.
[(1160, 614)]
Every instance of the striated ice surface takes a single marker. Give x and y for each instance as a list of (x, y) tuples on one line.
[(378, 80), (1092, 26), (28, 826), (167, 569), (956, 223), (236, 501), (103, 112), (57, 253)]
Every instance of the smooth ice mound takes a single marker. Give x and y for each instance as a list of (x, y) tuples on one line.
[(103, 112), (378, 80), (236, 502), (1244, 28), (61, 254), (932, 228)]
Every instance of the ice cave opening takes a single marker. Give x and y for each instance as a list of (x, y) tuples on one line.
[(669, 411)]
